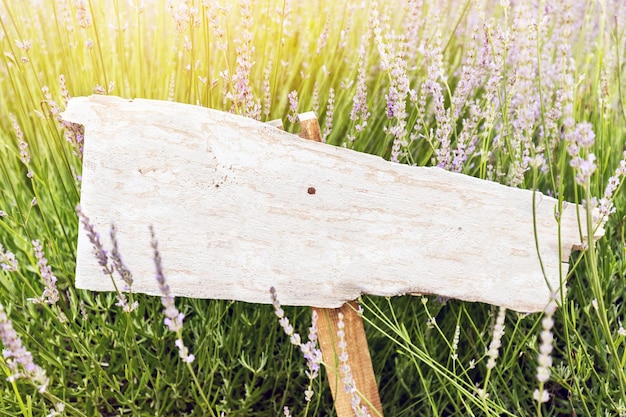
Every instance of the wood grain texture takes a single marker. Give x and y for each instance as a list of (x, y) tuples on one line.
[(229, 200)]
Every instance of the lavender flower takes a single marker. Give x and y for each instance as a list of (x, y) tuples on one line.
[(123, 272), (94, 238), (7, 260), (584, 167), (455, 343), (65, 15), (50, 293), (267, 90), (173, 318), (343, 35), (294, 338), (183, 15), (397, 97), (83, 17), (58, 410), (311, 353), (313, 356), (281, 17), (24, 154), (412, 26), (467, 140), (103, 260), (376, 25), (18, 359), (83, 310), (242, 96), (581, 138), (118, 264), (220, 34), (432, 86), (183, 351), (360, 111), (344, 367), (315, 99), (323, 38), (293, 106), (330, 108), (73, 132), (65, 94), (23, 45), (496, 341), (545, 351), (606, 207)]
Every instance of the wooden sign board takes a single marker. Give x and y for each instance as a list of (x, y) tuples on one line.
[(239, 206)]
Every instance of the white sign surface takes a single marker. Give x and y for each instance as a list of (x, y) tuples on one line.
[(239, 206)]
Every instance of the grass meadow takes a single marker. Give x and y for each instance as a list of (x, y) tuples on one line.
[(528, 94)]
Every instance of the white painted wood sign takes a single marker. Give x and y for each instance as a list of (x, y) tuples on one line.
[(239, 206)]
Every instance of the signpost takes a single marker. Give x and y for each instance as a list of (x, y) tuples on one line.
[(241, 206), (359, 359)]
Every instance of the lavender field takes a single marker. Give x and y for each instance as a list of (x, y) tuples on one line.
[(527, 94)]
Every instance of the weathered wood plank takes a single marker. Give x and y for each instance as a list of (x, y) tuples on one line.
[(239, 207)]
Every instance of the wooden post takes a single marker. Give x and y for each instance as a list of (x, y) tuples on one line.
[(328, 318)]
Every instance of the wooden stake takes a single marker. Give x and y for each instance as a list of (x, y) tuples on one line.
[(358, 358), (356, 342)]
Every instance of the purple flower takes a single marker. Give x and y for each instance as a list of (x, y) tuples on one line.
[(18, 359), (242, 96), (360, 111), (398, 93), (584, 168), (83, 17), (94, 238), (183, 351), (545, 350), (346, 373), (293, 106), (74, 134), (606, 206), (311, 353), (330, 108), (50, 293), (267, 90), (173, 318), (118, 264), (22, 145), (7, 260), (584, 135), (103, 260), (496, 341), (323, 38)]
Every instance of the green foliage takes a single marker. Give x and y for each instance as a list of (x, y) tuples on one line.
[(505, 89)]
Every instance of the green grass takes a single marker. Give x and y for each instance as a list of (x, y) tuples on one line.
[(507, 104)]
